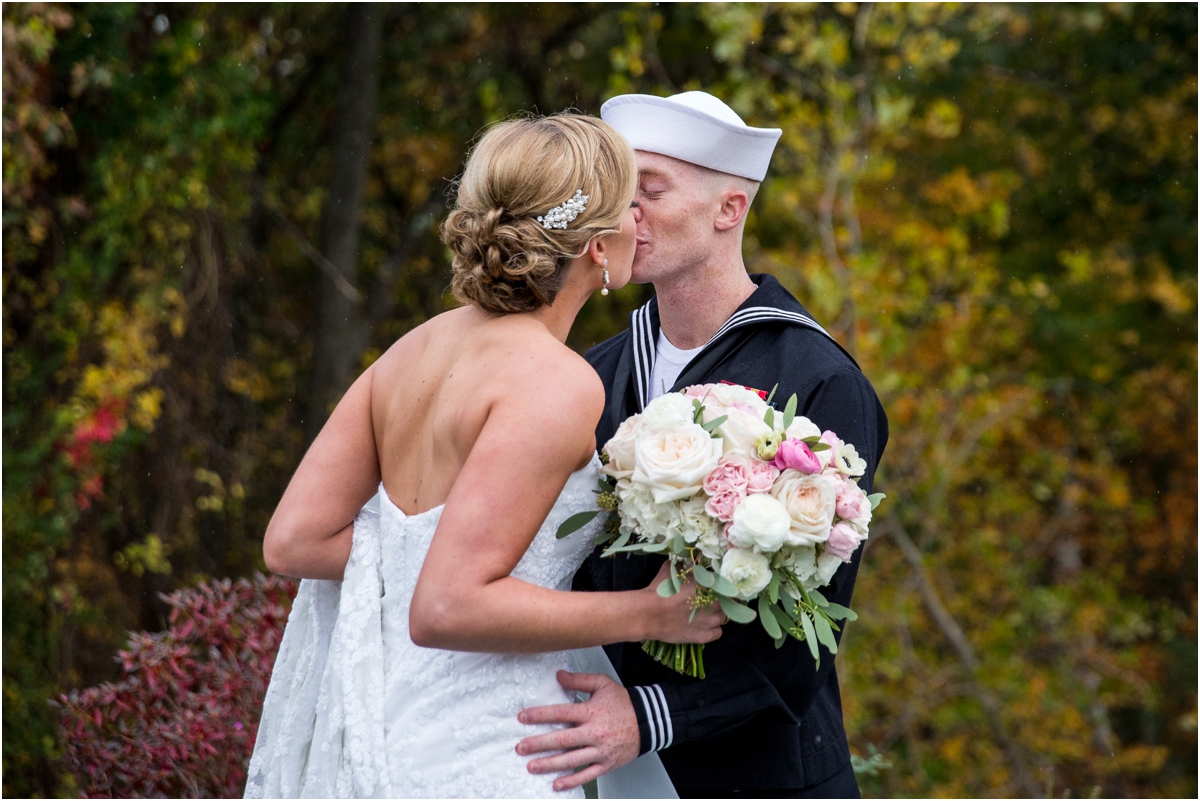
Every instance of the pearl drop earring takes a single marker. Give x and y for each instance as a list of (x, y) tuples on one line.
[(604, 291)]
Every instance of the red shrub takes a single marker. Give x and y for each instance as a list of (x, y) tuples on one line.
[(182, 720)]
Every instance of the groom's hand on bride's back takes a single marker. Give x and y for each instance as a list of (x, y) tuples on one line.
[(603, 733)]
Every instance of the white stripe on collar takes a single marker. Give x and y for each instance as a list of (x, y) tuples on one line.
[(645, 347)]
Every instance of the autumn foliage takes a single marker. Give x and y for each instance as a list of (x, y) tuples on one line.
[(992, 206), (181, 720)]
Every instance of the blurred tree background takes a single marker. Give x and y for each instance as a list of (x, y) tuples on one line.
[(215, 216)]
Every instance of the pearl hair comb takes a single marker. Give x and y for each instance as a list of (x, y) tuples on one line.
[(559, 216)]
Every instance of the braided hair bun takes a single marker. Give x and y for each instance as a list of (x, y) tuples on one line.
[(504, 260)]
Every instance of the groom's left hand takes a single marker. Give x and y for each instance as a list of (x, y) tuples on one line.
[(603, 735)]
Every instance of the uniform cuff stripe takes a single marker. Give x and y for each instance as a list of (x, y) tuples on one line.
[(658, 717), (667, 715), (649, 719)]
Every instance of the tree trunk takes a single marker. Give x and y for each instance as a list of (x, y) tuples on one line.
[(341, 318)]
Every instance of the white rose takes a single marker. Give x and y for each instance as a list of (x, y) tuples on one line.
[(720, 397), (669, 411), (673, 462), (621, 449), (760, 522), (802, 428), (827, 565), (810, 502), (750, 572), (740, 432)]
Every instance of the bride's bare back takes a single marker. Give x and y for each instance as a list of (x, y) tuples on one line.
[(433, 391)]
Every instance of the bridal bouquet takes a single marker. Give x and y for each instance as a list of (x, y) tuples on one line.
[(750, 502)]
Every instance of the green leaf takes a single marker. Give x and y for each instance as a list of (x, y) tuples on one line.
[(788, 601), (678, 546), (818, 446), (772, 395), (818, 598), (675, 580), (769, 418), (667, 588), (789, 412), (810, 636), (768, 621), (875, 498), (780, 641), (698, 414), (773, 588), (839, 612), (604, 485), (825, 634), (784, 619), (737, 612), (655, 547), (692, 616), (723, 586), (574, 523), (704, 577), (715, 423)]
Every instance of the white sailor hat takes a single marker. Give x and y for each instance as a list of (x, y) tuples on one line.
[(694, 127)]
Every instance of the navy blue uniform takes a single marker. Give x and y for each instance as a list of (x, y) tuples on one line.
[(764, 719)]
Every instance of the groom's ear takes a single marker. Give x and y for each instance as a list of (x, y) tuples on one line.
[(734, 205)]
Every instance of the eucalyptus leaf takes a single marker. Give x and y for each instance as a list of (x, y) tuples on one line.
[(825, 634), (818, 446), (737, 612), (604, 486), (783, 617), (772, 395), (715, 423), (780, 641), (675, 580), (810, 637), (818, 598), (704, 577), (654, 547), (769, 417), (789, 412), (773, 588), (666, 588), (875, 498), (839, 612), (723, 586), (574, 523), (768, 621)]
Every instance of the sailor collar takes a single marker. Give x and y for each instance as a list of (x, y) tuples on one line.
[(770, 303)]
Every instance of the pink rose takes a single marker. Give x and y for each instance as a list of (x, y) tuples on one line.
[(852, 502), (724, 505), (732, 475), (842, 542), (795, 454), (762, 477), (697, 391)]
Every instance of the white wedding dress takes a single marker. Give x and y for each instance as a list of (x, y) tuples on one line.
[(355, 709)]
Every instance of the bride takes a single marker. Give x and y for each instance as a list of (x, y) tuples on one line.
[(439, 609)]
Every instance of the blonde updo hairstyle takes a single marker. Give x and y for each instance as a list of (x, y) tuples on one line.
[(504, 260)]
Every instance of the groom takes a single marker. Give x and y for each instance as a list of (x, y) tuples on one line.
[(765, 722)]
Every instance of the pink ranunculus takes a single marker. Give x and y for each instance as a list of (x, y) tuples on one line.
[(731, 475), (852, 502), (795, 454), (842, 542), (724, 505), (762, 477)]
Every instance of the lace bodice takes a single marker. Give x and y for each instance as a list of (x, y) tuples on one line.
[(354, 708)]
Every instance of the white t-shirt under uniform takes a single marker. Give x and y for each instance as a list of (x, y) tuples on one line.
[(669, 362)]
